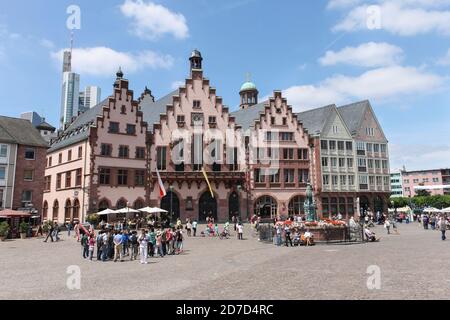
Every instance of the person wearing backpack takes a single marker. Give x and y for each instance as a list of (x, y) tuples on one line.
[(287, 236), (99, 245), (134, 246), (85, 245), (91, 245)]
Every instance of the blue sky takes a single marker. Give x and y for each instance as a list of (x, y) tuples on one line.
[(395, 53)]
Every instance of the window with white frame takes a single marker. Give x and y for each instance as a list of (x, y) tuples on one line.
[(335, 180), (351, 180), (363, 179), (326, 180), (335, 129), (361, 162), (333, 162), (343, 180), (2, 173), (349, 162), (3, 150)]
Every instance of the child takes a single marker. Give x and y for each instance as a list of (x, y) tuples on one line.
[(91, 246), (216, 230)]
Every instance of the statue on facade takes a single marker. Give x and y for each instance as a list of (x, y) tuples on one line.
[(310, 204)]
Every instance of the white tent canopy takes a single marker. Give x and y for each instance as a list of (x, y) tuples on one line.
[(446, 210), (153, 210), (126, 210), (432, 210), (106, 212)]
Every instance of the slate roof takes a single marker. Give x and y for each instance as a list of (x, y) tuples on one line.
[(315, 120), (353, 114), (45, 126), (246, 117), (78, 130), (153, 109), (20, 131)]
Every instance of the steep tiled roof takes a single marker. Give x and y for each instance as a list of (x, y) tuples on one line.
[(153, 109), (353, 114), (20, 131), (246, 117), (78, 130), (315, 120)]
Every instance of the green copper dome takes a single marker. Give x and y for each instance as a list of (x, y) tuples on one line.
[(248, 86)]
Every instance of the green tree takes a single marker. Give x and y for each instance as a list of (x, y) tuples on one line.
[(423, 193)]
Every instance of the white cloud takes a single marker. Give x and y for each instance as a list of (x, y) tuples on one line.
[(377, 84), (339, 4), (370, 54), (103, 61), (176, 84), (47, 43), (151, 21), (401, 18), (418, 156)]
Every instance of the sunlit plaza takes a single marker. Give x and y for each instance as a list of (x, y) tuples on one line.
[(411, 265)]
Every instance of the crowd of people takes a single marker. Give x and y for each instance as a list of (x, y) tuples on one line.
[(116, 245), (439, 222)]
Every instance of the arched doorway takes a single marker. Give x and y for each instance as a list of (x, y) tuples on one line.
[(138, 204), (234, 205), (55, 210), (122, 203), (45, 211), (171, 203), (103, 205), (378, 205), (207, 207), (363, 204), (266, 207), (76, 211), (296, 206), (67, 208)]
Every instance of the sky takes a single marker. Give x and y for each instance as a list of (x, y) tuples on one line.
[(395, 53)]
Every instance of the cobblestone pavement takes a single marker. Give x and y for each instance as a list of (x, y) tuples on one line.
[(414, 265)]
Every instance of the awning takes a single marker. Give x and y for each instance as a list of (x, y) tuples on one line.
[(8, 213)]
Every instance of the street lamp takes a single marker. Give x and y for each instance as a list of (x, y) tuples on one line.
[(171, 202)]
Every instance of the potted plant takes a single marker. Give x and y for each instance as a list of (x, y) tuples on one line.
[(4, 230), (23, 229)]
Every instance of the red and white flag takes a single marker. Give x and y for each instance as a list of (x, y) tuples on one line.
[(162, 190)]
